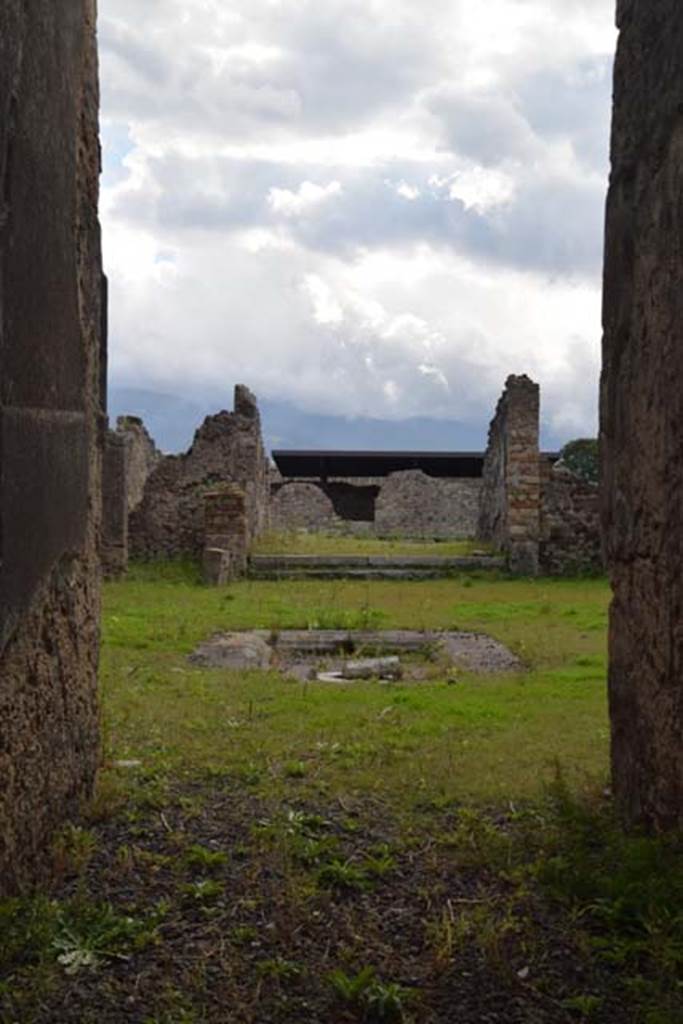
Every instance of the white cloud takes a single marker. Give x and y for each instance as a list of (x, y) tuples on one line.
[(307, 196), (362, 206)]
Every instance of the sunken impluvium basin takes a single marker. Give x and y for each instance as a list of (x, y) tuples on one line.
[(335, 655)]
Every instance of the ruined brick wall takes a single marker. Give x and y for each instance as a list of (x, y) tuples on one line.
[(570, 524), (51, 424), (511, 492), (413, 504), (114, 537), (143, 456), (226, 525), (642, 414), (227, 448)]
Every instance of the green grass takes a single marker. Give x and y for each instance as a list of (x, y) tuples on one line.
[(486, 738), (270, 824), (303, 543)]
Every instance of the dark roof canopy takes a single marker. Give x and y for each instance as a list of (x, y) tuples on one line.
[(350, 463), (325, 464)]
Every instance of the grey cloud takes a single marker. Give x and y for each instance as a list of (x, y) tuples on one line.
[(572, 103), (552, 225), (487, 128)]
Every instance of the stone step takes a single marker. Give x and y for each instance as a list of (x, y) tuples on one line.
[(367, 566)]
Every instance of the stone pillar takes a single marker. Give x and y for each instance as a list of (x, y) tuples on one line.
[(226, 527), (523, 475), (114, 541), (510, 499), (51, 425), (641, 435)]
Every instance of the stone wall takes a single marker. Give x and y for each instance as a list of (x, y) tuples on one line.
[(51, 424), (570, 524), (409, 503), (642, 414), (511, 493), (541, 515), (114, 537), (413, 504), (143, 456), (301, 506), (227, 448)]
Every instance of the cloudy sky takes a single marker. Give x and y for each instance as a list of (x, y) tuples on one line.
[(361, 208)]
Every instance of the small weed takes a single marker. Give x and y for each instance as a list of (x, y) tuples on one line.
[(89, 933), (370, 999), (478, 843), (73, 849), (380, 862), (586, 1006), (206, 890), (204, 859), (279, 969), (243, 935), (294, 770), (342, 876)]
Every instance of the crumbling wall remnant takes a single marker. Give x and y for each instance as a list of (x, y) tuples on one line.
[(544, 517), (51, 425), (641, 433), (227, 448), (509, 514), (226, 529), (143, 455)]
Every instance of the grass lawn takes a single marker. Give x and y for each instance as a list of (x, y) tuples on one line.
[(302, 543), (487, 738), (278, 852)]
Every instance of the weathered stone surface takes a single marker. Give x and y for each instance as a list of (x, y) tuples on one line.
[(571, 542), (143, 455), (413, 504), (408, 504), (216, 567), (226, 524), (227, 448), (511, 493), (366, 566), (372, 668), (51, 424), (234, 650), (541, 516), (301, 506), (642, 414), (474, 652), (114, 537)]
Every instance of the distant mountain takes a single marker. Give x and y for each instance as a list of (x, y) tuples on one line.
[(172, 421)]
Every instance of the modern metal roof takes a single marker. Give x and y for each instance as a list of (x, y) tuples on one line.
[(364, 463), (325, 464)]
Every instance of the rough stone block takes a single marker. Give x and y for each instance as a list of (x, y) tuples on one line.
[(216, 567)]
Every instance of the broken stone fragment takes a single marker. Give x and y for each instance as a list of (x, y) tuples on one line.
[(234, 650), (216, 566), (372, 668)]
